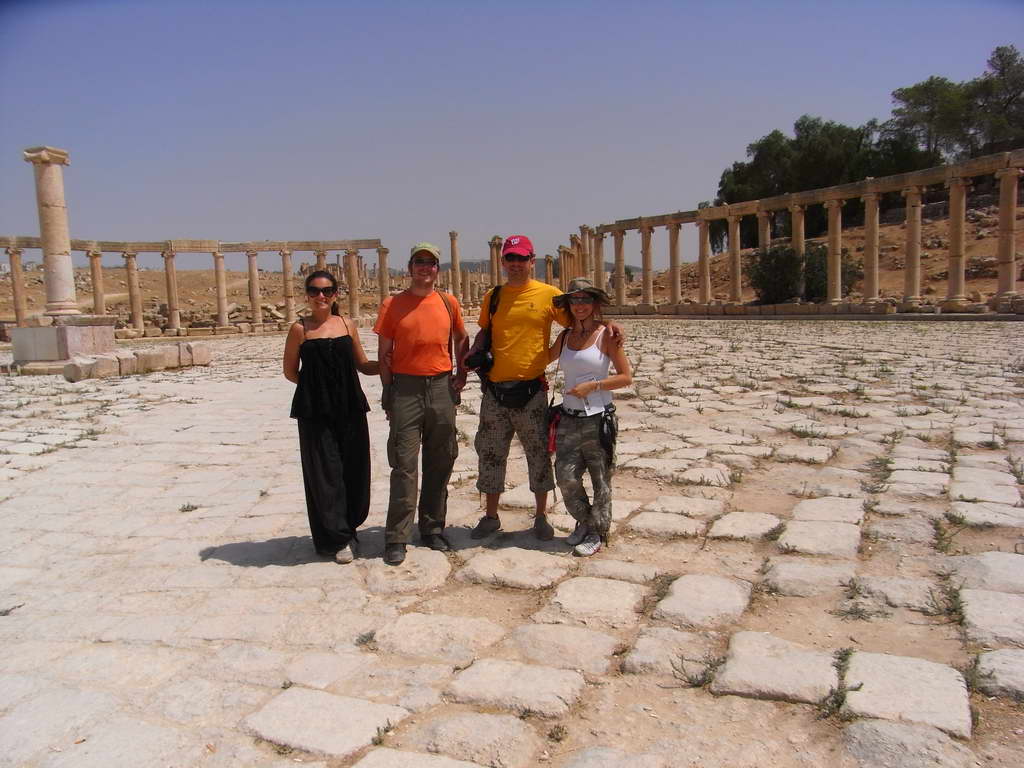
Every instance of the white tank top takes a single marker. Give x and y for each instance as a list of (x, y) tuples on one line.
[(579, 365)]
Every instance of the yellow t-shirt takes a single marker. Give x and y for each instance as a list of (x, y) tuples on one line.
[(522, 327)]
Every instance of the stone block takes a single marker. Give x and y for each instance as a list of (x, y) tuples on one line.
[(1001, 673), (79, 369), (832, 509), (748, 526), (646, 309), (996, 571), (516, 568), (818, 538), (993, 618), (322, 723), (661, 651), (152, 332), (126, 362), (585, 650), (610, 757), (200, 331), (127, 333), (520, 688), (184, 355), (761, 666), (910, 689), (105, 366), (703, 601), (384, 757), (799, 577), (502, 741), (686, 505), (984, 492), (201, 353), (987, 513), (716, 309), (637, 573), (664, 525), (147, 360), (884, 744), (454, 639), (172, 357), (225, 330), (590, 601), (423, 570)]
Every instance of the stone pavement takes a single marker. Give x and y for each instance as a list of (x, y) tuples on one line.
[(815, 559)]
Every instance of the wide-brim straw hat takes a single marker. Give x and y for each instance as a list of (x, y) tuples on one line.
[(578, 284)]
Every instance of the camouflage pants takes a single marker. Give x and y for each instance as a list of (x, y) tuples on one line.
[(493, 439), (577, 450)]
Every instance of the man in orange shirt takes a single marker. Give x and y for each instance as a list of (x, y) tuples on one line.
[(418, 330)]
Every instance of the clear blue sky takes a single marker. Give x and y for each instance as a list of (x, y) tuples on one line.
[(403, 120)]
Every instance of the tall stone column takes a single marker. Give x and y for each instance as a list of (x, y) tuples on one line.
[(456, 267), (321, 259), (586, 264), (287, 284), (222, 289), (956, 296), (704, 262), (384, 272), (495, 245), (764, 230), (352, 271), (171, 277), (834, 263), (1005, 250), (646, 268), (673, 264), (870, 247), (912, 255), (735, 266), (549, 269), (466, 293), (58, 270), (796, 225), (99, 304), (17, 286), (255, 310), (563, 267), (131, 269), (620, 267), (597, 256)]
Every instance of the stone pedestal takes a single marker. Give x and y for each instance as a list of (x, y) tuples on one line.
[(70, 336)]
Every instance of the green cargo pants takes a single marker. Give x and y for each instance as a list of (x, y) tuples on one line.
[(422, 412)]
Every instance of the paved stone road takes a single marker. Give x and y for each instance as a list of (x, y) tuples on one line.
[(813, 562)]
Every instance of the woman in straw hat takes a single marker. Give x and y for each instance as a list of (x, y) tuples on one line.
[(585, 438)]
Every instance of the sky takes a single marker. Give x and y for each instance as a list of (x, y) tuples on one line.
[(401, 121)]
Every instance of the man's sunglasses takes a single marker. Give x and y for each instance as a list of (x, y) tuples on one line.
[(313, 291), (516, 257), (424, 262)]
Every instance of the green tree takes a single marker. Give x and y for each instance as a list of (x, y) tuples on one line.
[(998, 101), (775, 273), (937, 112)]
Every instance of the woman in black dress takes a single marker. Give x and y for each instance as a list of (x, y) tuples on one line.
[(331, 410)]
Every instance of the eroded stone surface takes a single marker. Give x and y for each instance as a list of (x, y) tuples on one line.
[(665, 525), (904, 688), (743, 525), (664, 651), (702, 601), (592, 601), (831, 509), (803, 577), (994, 619), (456, 639), (885, 744), (517, 687), (609, 757), (995, 571), (1001, 673), (514, 567), (765, 667), (566, 647), (394, 758), (423, 570), (501, 741), (818, 538)]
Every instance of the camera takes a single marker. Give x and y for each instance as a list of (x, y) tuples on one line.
[(482, 361)]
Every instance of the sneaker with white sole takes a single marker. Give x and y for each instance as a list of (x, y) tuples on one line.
[(346, 554), (578, 534), (590, 545)]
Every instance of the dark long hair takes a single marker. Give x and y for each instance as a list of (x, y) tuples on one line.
[(334, 284)]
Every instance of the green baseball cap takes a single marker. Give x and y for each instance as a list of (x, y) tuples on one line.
[(430, 248)]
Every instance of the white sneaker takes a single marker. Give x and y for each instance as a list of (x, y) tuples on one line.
[(590, 545), (346, 554), (578, 534)]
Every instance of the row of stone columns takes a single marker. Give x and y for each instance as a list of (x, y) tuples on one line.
[(574, 259)]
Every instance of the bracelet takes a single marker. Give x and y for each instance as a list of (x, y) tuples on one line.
[(598, 385)]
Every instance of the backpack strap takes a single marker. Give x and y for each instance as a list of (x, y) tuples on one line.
[(451, 327)]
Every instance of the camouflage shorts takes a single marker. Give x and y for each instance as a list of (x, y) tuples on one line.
[(578, 452), (498, 424)]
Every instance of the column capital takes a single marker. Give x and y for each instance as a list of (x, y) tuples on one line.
[(584, 229), (675, 226), (795, 208), (93, 253), (598, 235), (733, 218), (645, 229), (384, 251), (351, 251), (453, 234), (252, 254), (911, 191), (959, 181), (762, 214), (573, 239), (870, 197), (496, 240), (46, 156), (835, 202), (128, 254), (13, 250), (1015, 172), (285, 252), (168, 255)]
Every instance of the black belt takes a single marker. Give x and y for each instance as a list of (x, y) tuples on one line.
[(581, 414), (414, 376)]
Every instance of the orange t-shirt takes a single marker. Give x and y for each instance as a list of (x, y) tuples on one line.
[(419, 327)]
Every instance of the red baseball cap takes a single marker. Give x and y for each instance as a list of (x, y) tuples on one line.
[(517, 244)]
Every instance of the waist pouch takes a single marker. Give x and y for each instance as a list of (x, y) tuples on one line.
[(608, 432), (514, 394)]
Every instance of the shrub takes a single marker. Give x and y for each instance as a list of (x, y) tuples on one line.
[(778, 274)]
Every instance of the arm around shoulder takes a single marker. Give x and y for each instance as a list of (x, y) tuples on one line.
[(291, 352), (363, 365)]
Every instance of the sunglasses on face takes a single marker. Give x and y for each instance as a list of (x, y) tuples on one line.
[(581, 299), (516, 257), (313, 291), (424, 263)]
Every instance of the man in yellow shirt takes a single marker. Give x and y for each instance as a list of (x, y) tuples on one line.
[(514, 400)]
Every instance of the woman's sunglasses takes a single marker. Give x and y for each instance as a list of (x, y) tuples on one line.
[(581, 299), (313, 291)]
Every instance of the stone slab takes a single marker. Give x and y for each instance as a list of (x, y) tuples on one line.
[(455, 639), (516, 568), (804, 454), (661, 650), (997, 494), (500, 741), (909, 689), (686, 505), (565, 647), (993, 619), (885, 744), (322, 723), (423, 570), (996, 571), (915, 594), (1001, 673), (636, 573), (704, 601), (520, 688), (832, 509), (988, 514), (819, 538), (761, 666), (394, 758), (800, 577), (593, 601), (611, 757), (748, 526), (665, 525)]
